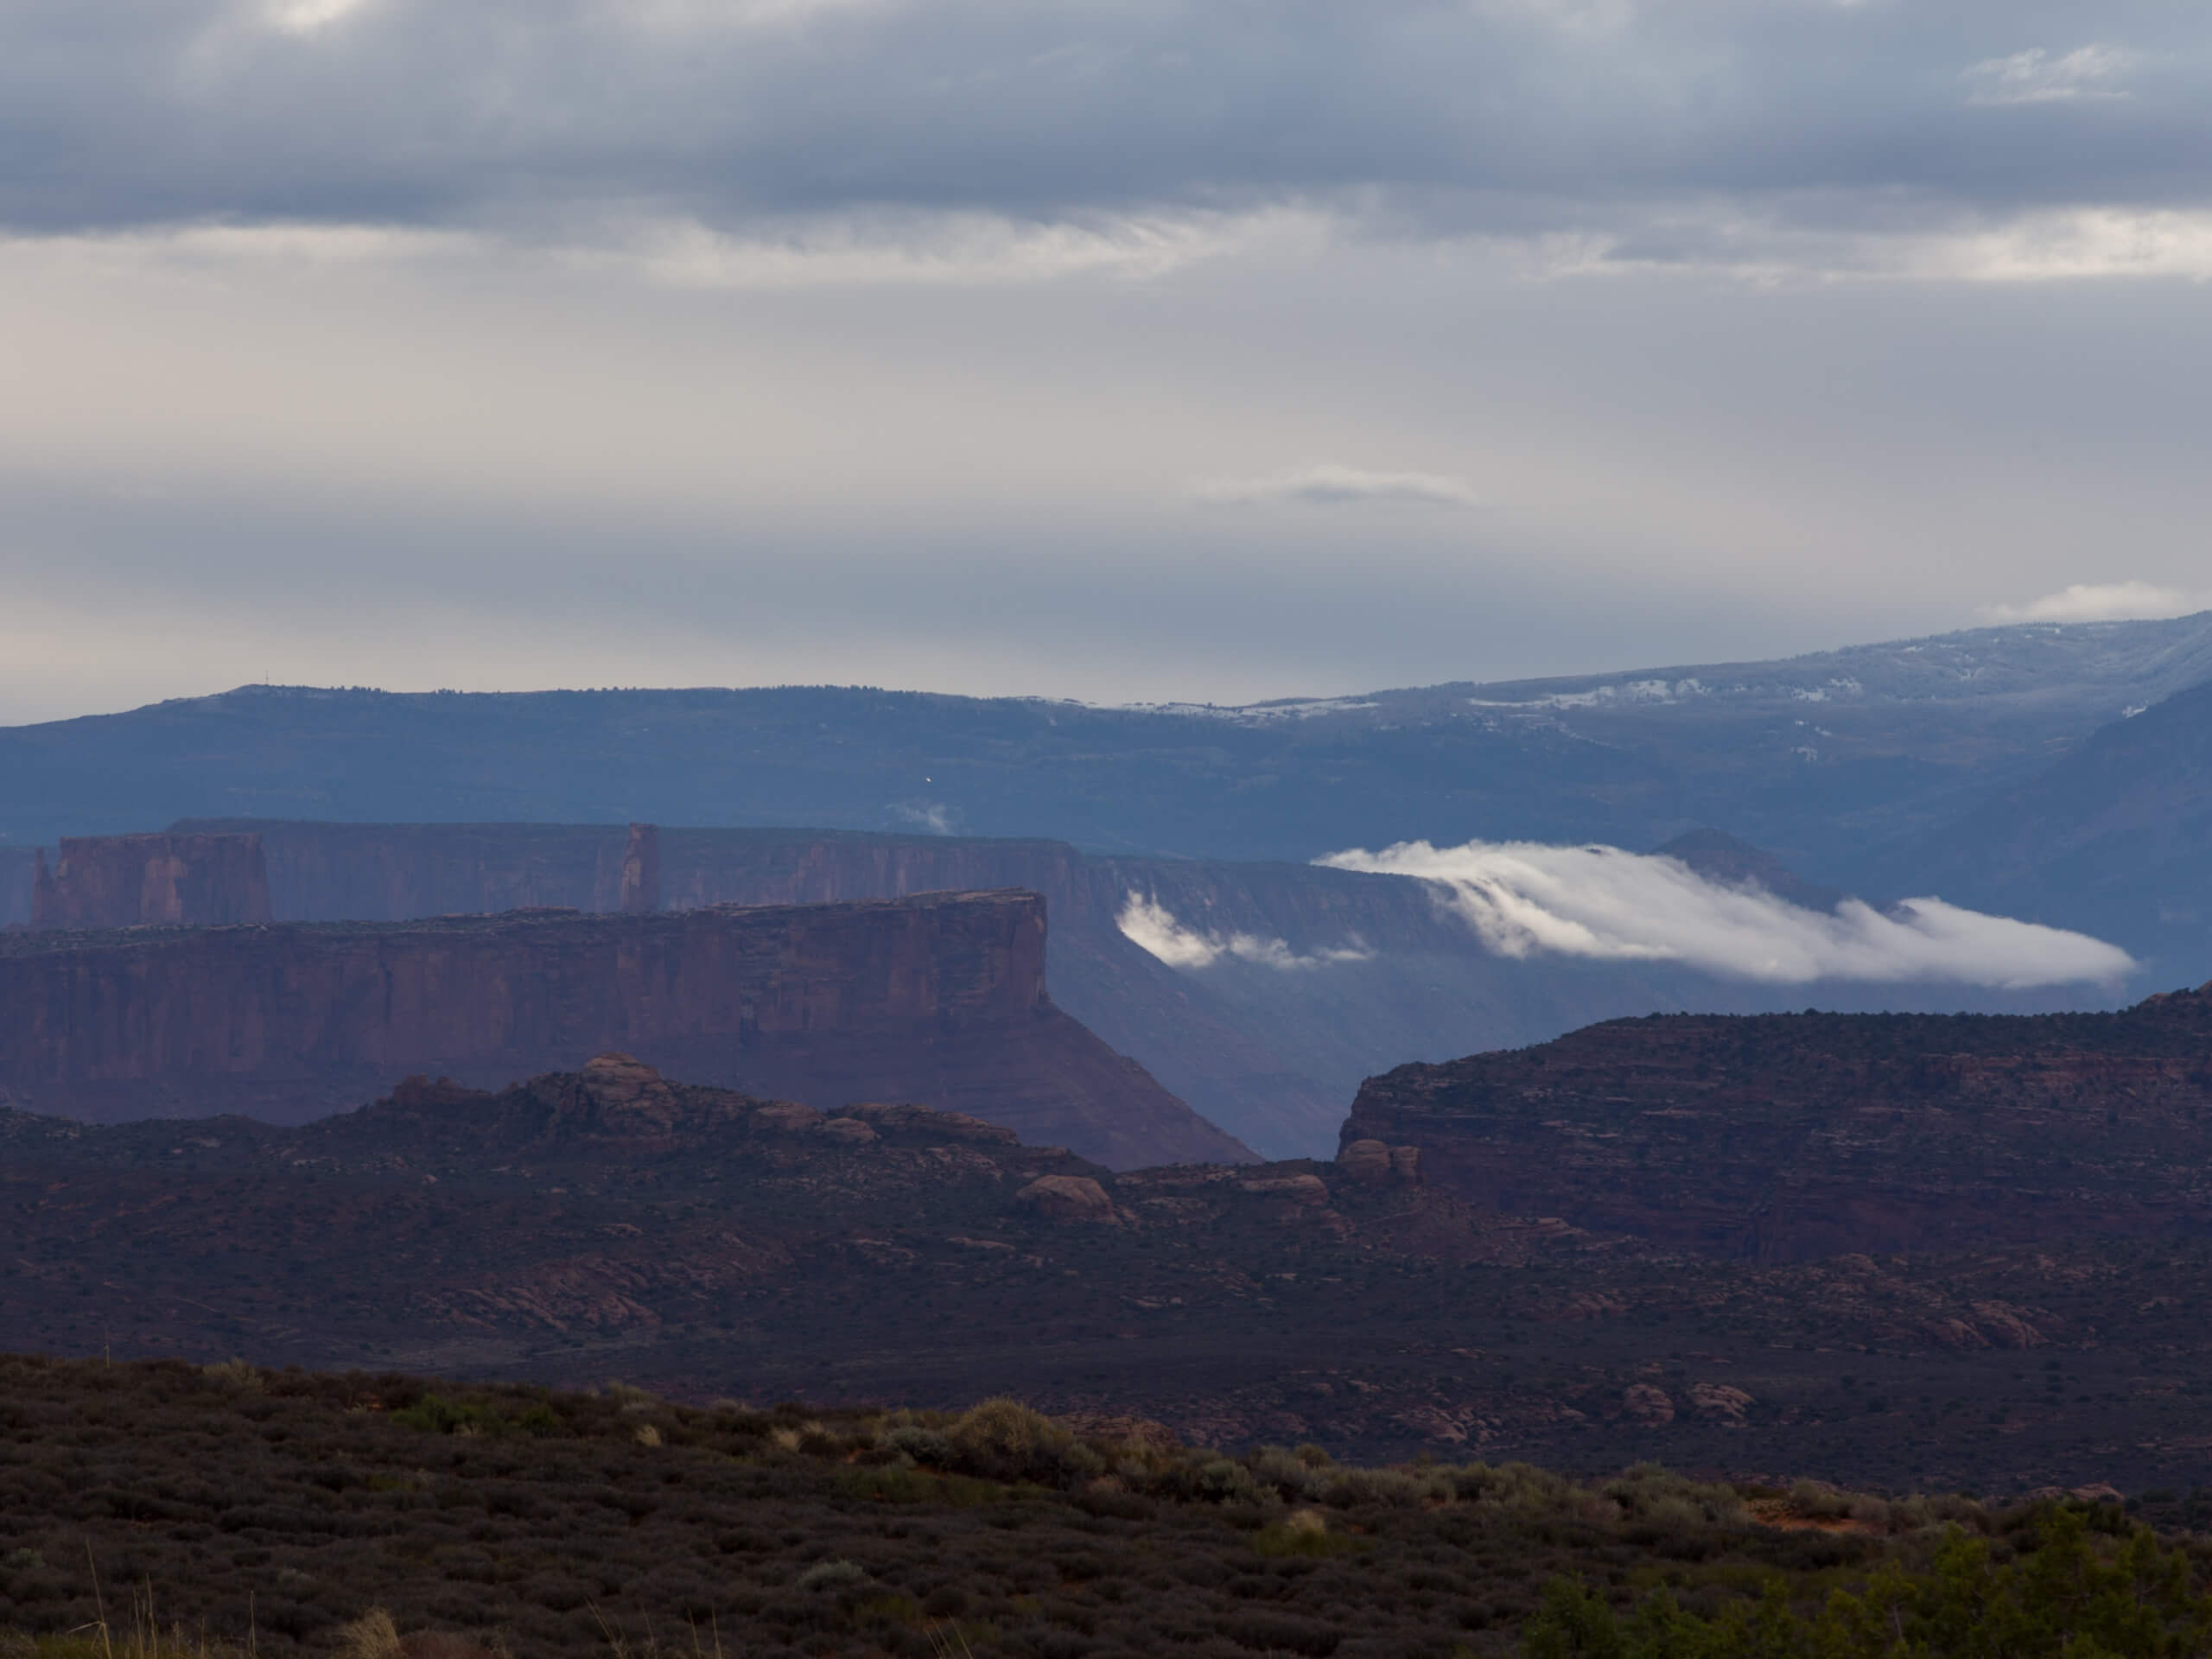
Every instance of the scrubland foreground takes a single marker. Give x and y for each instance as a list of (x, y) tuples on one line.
[(157, 1506)]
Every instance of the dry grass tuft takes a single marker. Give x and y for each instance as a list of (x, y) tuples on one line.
[(372, 1636)]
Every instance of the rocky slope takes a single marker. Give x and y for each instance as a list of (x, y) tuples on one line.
[(939, 1000), (1787, 1137), (613, 1223)]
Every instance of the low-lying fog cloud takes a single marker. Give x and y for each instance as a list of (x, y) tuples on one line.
[(1151, 925), (1523, 899)]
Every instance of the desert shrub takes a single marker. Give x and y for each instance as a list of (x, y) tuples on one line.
[(1113, 1501), (1278, 1633), (2070, 1591), (1006, 1441), (1303, 1532), (1666, 1502), (233, 1373), (1869, 1511), (1818, 1501), (1346, 1489), (1285, 1471), (832, 1575), (279, 1515), (434, 1415)]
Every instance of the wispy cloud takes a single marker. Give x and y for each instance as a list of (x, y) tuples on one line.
[(308, 16), (1327, 485), (2111, 602), (1150, 924), (1524, 900), (971, 248), (2036, 77), (931, 817)]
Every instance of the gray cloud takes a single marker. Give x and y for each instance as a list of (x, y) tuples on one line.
[(1663, 133), (430, 342)]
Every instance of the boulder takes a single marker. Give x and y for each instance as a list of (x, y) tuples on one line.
[(1718, 1400), (1647, 1405), (629, 1092), (1069, 1197)]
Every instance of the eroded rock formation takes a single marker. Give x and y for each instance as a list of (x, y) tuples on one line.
[(174, 879), (939, 1000), (1789, 1136), (22, 872), (641, 872)]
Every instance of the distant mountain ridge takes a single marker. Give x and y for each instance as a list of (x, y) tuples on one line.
[(1827, 760)]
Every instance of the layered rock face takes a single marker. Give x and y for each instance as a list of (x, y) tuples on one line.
[(19, 867), (1318, 978), (1219, 1059), (1791, 1136), (398, 872), (173, 879), (939, 1000)]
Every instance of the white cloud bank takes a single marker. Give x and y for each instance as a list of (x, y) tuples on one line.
[(1330, 485), (1523, 899), (1149, 924), (2112, 601)]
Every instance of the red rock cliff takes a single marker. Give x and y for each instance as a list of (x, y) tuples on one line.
[(177, 879), (1206, 1053), (19, 870), (1786, 1136), (937, 1000)]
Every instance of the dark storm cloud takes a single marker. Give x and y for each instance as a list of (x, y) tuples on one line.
[(541, 117)]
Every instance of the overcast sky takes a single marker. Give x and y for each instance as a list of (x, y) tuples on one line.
[(1122, 349)]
